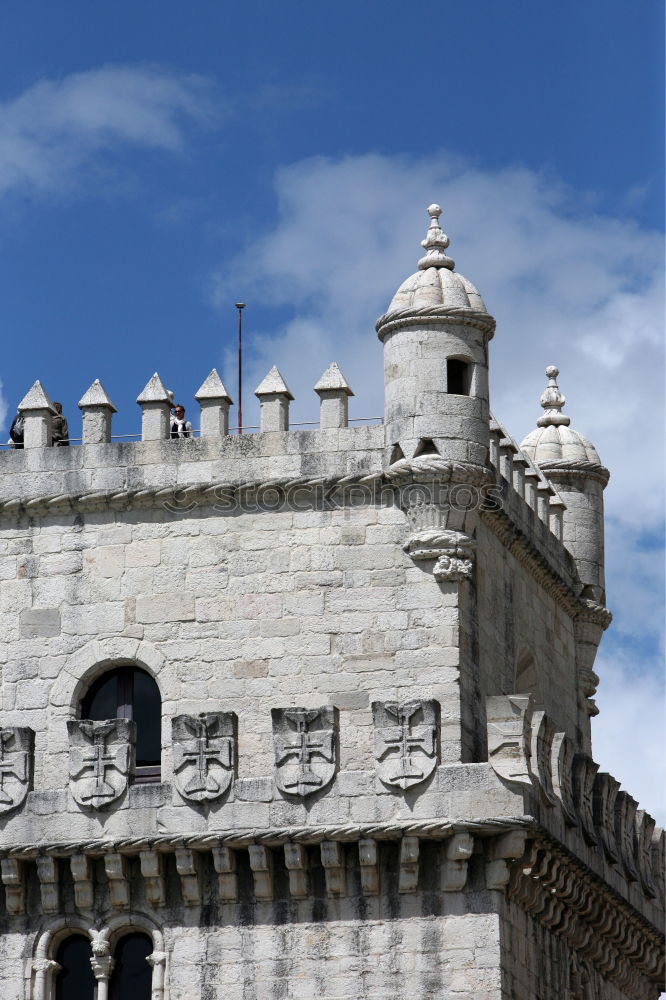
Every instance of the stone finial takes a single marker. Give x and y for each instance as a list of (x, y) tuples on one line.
[(334, 392), (97, 410), (552, 401), (214, 401), (155, 403), (435, 243), (37, 410), (274, 395)]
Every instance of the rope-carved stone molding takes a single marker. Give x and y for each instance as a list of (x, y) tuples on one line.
[(432, 315), (559, 892), (575, 470), (183, 500)]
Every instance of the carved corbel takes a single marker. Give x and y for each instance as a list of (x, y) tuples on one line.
[(115, 866), (81, 870), (296, 863), (333, 863), (367, 857), (153, 874), (457, 851), (453, 550), (186, 866), (11, 872), (500, 850), (409, 864), (261, 863), (47, 873), (224, 862)]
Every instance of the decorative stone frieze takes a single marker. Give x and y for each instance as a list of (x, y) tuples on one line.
[(204, 751), (305, 749), (101, 760), (405, 741), (16, 748)]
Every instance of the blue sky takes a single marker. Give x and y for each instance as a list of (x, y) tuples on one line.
[(160, 160)]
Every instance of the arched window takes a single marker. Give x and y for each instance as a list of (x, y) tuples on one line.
[(458, 377), (130, 693), (131, 978), (75, 979)]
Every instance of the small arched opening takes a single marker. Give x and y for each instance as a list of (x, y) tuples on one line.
[(128, 692)]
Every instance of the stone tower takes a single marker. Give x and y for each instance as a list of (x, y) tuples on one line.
[(307, 713)]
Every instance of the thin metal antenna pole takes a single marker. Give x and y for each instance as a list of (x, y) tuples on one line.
[(240, 306)]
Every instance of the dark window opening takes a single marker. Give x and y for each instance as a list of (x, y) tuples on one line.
[(131, 978), (130, 693), (426, 446), (396, 453), (457, 377), (75, 980)]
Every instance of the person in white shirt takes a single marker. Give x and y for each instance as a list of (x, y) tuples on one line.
[(180, 427)]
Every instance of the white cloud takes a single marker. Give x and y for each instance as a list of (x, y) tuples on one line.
[(581, 290), (51, 134)]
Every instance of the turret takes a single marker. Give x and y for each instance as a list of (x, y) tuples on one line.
[(435, 336), (572, 464)]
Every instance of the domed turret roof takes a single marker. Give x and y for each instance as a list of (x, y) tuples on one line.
[(436, 283), (554, 442)]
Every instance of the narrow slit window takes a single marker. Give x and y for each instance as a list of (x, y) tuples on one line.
[(457, 377)]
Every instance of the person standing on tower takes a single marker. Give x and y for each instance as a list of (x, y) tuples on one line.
[(180, 427)]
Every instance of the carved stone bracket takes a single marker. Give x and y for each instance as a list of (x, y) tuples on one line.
[(453, 550), (101, 760), (405, 741), (409, 864), (367, 857), (457, 852), (296, 863), (561, 894), (261, 863), (11, 872), (47, 873), (153, 873), (16, 747), (304, 740), (115, 866), (224, 862), (80, 867), (333, 863)]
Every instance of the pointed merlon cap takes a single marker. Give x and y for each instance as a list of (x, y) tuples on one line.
[(154, 392), (435, 243), (96, 396), (552, 400), (36, 398), (333, 379), (213, 388), (273, 385)]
